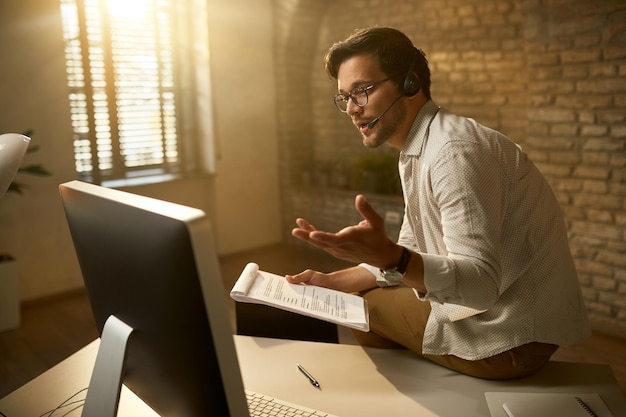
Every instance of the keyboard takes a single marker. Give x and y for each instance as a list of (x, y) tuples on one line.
[(261, 405)]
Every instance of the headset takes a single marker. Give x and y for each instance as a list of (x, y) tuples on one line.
[(410, 87), (411, 84)]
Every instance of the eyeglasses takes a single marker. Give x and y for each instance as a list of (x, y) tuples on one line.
[(358, 96)]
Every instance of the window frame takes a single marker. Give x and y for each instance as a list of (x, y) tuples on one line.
[(189, 34)]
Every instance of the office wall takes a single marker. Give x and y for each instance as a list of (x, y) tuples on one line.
[(551, 74), (33, 96), (576, 59), (243, 64), (242, 198)]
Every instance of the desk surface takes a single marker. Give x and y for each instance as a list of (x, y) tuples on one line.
[(355, 381)]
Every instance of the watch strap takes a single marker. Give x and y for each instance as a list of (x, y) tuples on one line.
[(403, 263)]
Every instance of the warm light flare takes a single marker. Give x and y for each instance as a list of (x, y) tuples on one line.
[(125, 9)]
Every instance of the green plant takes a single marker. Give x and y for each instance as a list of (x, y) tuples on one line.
[(32, 169), (377, 172)]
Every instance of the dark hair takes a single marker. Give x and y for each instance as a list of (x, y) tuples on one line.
[(393, 50)]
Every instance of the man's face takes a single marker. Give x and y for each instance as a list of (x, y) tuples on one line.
[(363, 71)]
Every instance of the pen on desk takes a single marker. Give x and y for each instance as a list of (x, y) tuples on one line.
[(312, 380)]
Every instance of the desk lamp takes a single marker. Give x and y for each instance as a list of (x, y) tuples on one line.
[(12, 149)]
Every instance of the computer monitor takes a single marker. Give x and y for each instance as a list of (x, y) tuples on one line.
[(153, 279)]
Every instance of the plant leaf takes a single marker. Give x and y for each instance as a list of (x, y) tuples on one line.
[(16, 187), (36, 169)]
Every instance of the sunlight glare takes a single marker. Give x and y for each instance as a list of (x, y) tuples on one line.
[(125, 9)]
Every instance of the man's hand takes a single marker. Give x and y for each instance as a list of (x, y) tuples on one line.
[(365, 242), (349, 280)]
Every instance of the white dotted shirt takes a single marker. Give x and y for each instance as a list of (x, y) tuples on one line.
[(497, 265)]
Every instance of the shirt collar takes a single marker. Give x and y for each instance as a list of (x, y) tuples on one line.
[(419, 130)]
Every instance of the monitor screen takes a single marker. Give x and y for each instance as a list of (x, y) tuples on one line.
[(153, 266)]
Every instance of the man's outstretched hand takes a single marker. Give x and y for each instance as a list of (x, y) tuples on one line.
[(364, 242)]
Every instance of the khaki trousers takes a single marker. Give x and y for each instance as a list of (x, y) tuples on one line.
[(398, 320)]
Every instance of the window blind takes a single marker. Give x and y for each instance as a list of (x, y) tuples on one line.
[(120, 58)]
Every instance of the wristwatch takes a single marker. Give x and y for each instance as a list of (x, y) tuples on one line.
[(393, 276)]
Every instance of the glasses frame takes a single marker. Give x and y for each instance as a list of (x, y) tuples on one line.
[(360, 90)]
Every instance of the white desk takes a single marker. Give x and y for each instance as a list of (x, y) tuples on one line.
[(355, 381)]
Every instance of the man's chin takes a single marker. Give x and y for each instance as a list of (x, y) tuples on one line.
[(372, 141)]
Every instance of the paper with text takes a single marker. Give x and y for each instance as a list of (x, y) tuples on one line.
[(260, 287)]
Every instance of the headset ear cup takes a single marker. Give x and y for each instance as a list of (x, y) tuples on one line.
[(411, 85)]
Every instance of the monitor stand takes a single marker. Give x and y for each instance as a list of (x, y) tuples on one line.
[(103, 395)]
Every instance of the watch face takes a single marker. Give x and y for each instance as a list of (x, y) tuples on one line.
[(393, 275), (389, 277)]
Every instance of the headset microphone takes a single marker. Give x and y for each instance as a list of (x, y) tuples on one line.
[(374, 122)]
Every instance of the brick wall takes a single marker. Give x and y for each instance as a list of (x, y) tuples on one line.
[(551, 74), (576, 56)]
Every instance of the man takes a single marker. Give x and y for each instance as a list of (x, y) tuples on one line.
[(481, 280)]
